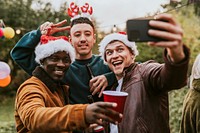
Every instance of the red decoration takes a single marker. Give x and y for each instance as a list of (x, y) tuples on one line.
[(45, 39), (87, 9), (122, 32), (73, 10)]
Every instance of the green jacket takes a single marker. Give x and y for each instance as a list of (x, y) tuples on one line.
[(190, 122)]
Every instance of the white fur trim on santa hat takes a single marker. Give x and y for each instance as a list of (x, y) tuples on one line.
[(116, 36), (45, 50)]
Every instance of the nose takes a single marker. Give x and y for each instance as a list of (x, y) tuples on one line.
[(83, 38), (61, 63), (115, 54)]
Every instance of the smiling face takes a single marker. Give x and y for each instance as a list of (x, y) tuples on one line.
[(118, 56), (56, 65), (82, 37)]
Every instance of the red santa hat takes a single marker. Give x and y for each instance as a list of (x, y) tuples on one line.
[(120, 36), (49, 45)]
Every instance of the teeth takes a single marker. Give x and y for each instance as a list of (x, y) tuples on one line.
[(59, 72), (117, 63)]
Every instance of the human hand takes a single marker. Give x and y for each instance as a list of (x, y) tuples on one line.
[(98, 85), (172, 32), (48, 28), (91, 128), (98, 111)]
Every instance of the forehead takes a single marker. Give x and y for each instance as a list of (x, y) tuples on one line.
[(115, 44), (81, 27), (60, 53)]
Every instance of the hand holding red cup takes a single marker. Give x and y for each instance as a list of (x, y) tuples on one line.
[(116, 97)]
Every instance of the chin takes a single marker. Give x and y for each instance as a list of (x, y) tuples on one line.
[(118, 72), (58, 78)]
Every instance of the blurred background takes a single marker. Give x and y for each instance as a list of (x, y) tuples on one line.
[(18, 17)]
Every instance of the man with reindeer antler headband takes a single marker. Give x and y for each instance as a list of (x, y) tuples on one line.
[(82, 37)]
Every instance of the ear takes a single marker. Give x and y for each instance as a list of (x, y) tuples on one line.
[(70, 39), (94, 38), (42, 62)]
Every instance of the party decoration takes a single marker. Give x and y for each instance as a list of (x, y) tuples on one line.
[(1, 32), (4, 70), (5, 82), (9, 32), (75, 11)]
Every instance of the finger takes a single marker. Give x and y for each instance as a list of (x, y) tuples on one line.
[(165, 35), (92, 84), (165, 26), (165, 44), (54, 30), (63, 28), (107, 116), (99, 121), (43, 25), (107, 104), (102, 89), (166, 17), (44, 32), (60, 23), (97, 88), (46, 25)]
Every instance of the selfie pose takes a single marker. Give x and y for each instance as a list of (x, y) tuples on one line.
[(147, 84), (41, 104)]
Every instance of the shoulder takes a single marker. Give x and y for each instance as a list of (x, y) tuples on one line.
[(31, 85), (192, 101)]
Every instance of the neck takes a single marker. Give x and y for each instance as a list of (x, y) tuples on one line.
[(84, 56), (119, 76)]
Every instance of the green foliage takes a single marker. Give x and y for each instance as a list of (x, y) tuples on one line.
[(176, 98), (19, 14), (7, 124), (147, 52)]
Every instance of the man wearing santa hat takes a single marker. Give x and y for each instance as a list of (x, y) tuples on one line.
[(146, 108)]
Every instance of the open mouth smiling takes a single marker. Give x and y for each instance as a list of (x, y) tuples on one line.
[(117, 63)]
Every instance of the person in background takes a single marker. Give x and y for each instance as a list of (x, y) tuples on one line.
[(147, 84), (190, 122), (42, 104)]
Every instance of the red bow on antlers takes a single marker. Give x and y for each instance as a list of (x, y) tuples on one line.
[(73, 10)]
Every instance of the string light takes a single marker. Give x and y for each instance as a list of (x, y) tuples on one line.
[(170, 10)]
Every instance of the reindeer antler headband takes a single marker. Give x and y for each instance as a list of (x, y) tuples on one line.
[(86, 11)]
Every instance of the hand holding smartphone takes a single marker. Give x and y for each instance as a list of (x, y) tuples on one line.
[(137, 30)]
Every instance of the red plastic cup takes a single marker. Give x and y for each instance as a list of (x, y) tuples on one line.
[(99, 129), (116, 97)]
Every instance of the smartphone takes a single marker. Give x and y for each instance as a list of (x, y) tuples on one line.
[(137, 31)]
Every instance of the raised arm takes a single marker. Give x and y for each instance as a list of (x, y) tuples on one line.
[(23, 52)]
